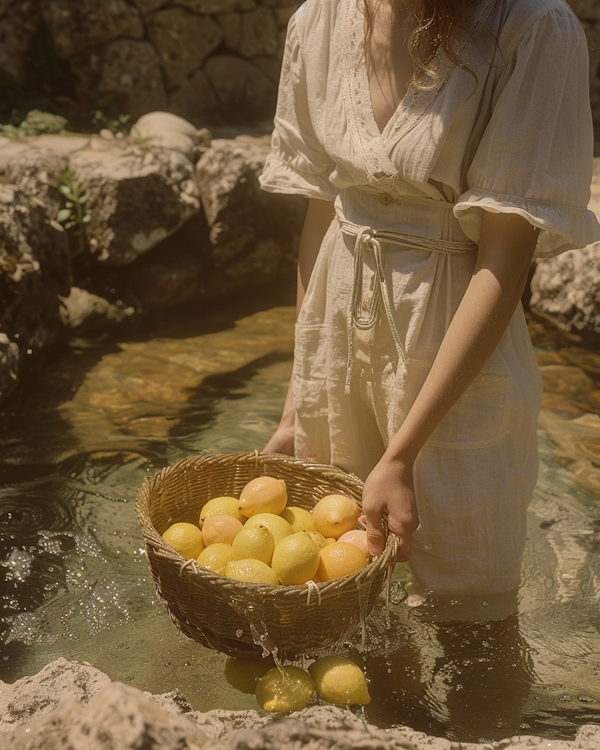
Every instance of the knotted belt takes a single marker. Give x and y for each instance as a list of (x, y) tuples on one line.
[(371, 239)]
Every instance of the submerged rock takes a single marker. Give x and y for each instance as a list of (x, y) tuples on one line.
[(73, 705)]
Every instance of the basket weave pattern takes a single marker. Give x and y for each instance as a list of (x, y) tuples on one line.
[(230, 616)]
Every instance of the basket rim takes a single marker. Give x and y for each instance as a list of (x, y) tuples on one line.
[(160, 548)]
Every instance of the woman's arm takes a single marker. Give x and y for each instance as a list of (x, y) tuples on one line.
[(505, 252), (319, 216)]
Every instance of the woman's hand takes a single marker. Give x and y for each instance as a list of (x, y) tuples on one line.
[(389, 494), (282, 441)]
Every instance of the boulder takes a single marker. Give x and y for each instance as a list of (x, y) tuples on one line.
[(183, 41), (75, 27), (37, 173), (4, 5), (259, 33), (137, 196), (253, 234), (241, 88), (83, 311), (216, 6), (35, 268), (194, 98), (586, 10), (166, 130), (231, 25), (565, 290), (9, 365), (17, 29), (147, 6)]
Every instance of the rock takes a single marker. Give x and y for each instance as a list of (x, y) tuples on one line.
[(279, 3), (147, 6), (83, 311), (183, 41), (194, 98), (132, 74), (17, 29), (9, 151), (254, 234), (231, 25), (166, 130), (37, 173), (259, 33), (62, 144), (242, 90), (76, 27), (136, 198), (586, 10), (216, 6), (4, 5), (270, 66), (565, 290), (9, 365), (35, 268), (283, 15)]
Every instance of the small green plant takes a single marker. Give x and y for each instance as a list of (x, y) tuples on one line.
[(74, 216), (35, 122), (118, 124)]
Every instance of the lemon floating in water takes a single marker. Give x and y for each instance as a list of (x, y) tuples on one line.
[(298, 518), (339, 680), (215, 557), (254, 541), (284, 689), (333, 515), (263, 495), (295, 559), (185, 538), (278, 526), (251, 571), (243, 673), (221, 506)]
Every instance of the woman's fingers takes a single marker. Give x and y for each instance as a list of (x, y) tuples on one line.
[(375, 531), (403, 524)]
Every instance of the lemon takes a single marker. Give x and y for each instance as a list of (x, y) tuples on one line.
[(263, 495), (215, 557), (298, 518), (221, 506), (255, 542), (340, 559), (284, 689), (339, 680), (220, 529), (295, 558), (276, 525), (359, 538), (242, 673), (251, 571), (335, 514), (185, 538)]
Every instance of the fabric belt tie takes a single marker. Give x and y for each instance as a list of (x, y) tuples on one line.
[(368, 238)]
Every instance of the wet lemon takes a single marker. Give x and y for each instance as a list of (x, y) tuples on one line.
[(295, 559), (220, 529), (284, 689), (243, 673), (333, 515), (340, 559), (263, 495), (255, 542), (298, 518), (185, 538), (226, 506), (339, 680), (215, 557), (276, 525), (359, 538), (251, 571)]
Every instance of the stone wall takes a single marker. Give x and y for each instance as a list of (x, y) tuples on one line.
[(190, 57)]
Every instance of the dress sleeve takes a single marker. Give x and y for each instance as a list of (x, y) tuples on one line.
[(536, 154), (298, 162)]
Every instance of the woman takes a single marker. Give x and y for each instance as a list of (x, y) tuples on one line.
[(428, 200)]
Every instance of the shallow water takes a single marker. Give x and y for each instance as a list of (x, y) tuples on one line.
[(82, 433)]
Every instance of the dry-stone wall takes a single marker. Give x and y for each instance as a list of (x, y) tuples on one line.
[(191, 57)]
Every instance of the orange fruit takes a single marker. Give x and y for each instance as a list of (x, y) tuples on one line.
[(220, 529), (340, 559), (358, 537)]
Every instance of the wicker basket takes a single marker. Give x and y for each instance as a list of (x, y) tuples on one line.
[(238, 618)]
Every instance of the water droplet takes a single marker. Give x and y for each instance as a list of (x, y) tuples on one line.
[(239, 633)]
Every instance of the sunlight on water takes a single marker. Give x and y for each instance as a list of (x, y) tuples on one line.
[(78, 439)]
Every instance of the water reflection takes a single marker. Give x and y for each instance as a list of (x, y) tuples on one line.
[(77, 441)]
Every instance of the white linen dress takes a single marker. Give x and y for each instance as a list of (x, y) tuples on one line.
[(397, 259)]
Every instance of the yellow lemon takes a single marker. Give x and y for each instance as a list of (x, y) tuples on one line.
[(215, 557), (221, 506), (339, 680), (317, 538), (340, 559), (335, 514), (255, 542), (295, 558), (242, 673), (185, 538), (263, 495), (298, 518), (359, 538), (276, 525), (251, 571), (220, 529), (284, 689)]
